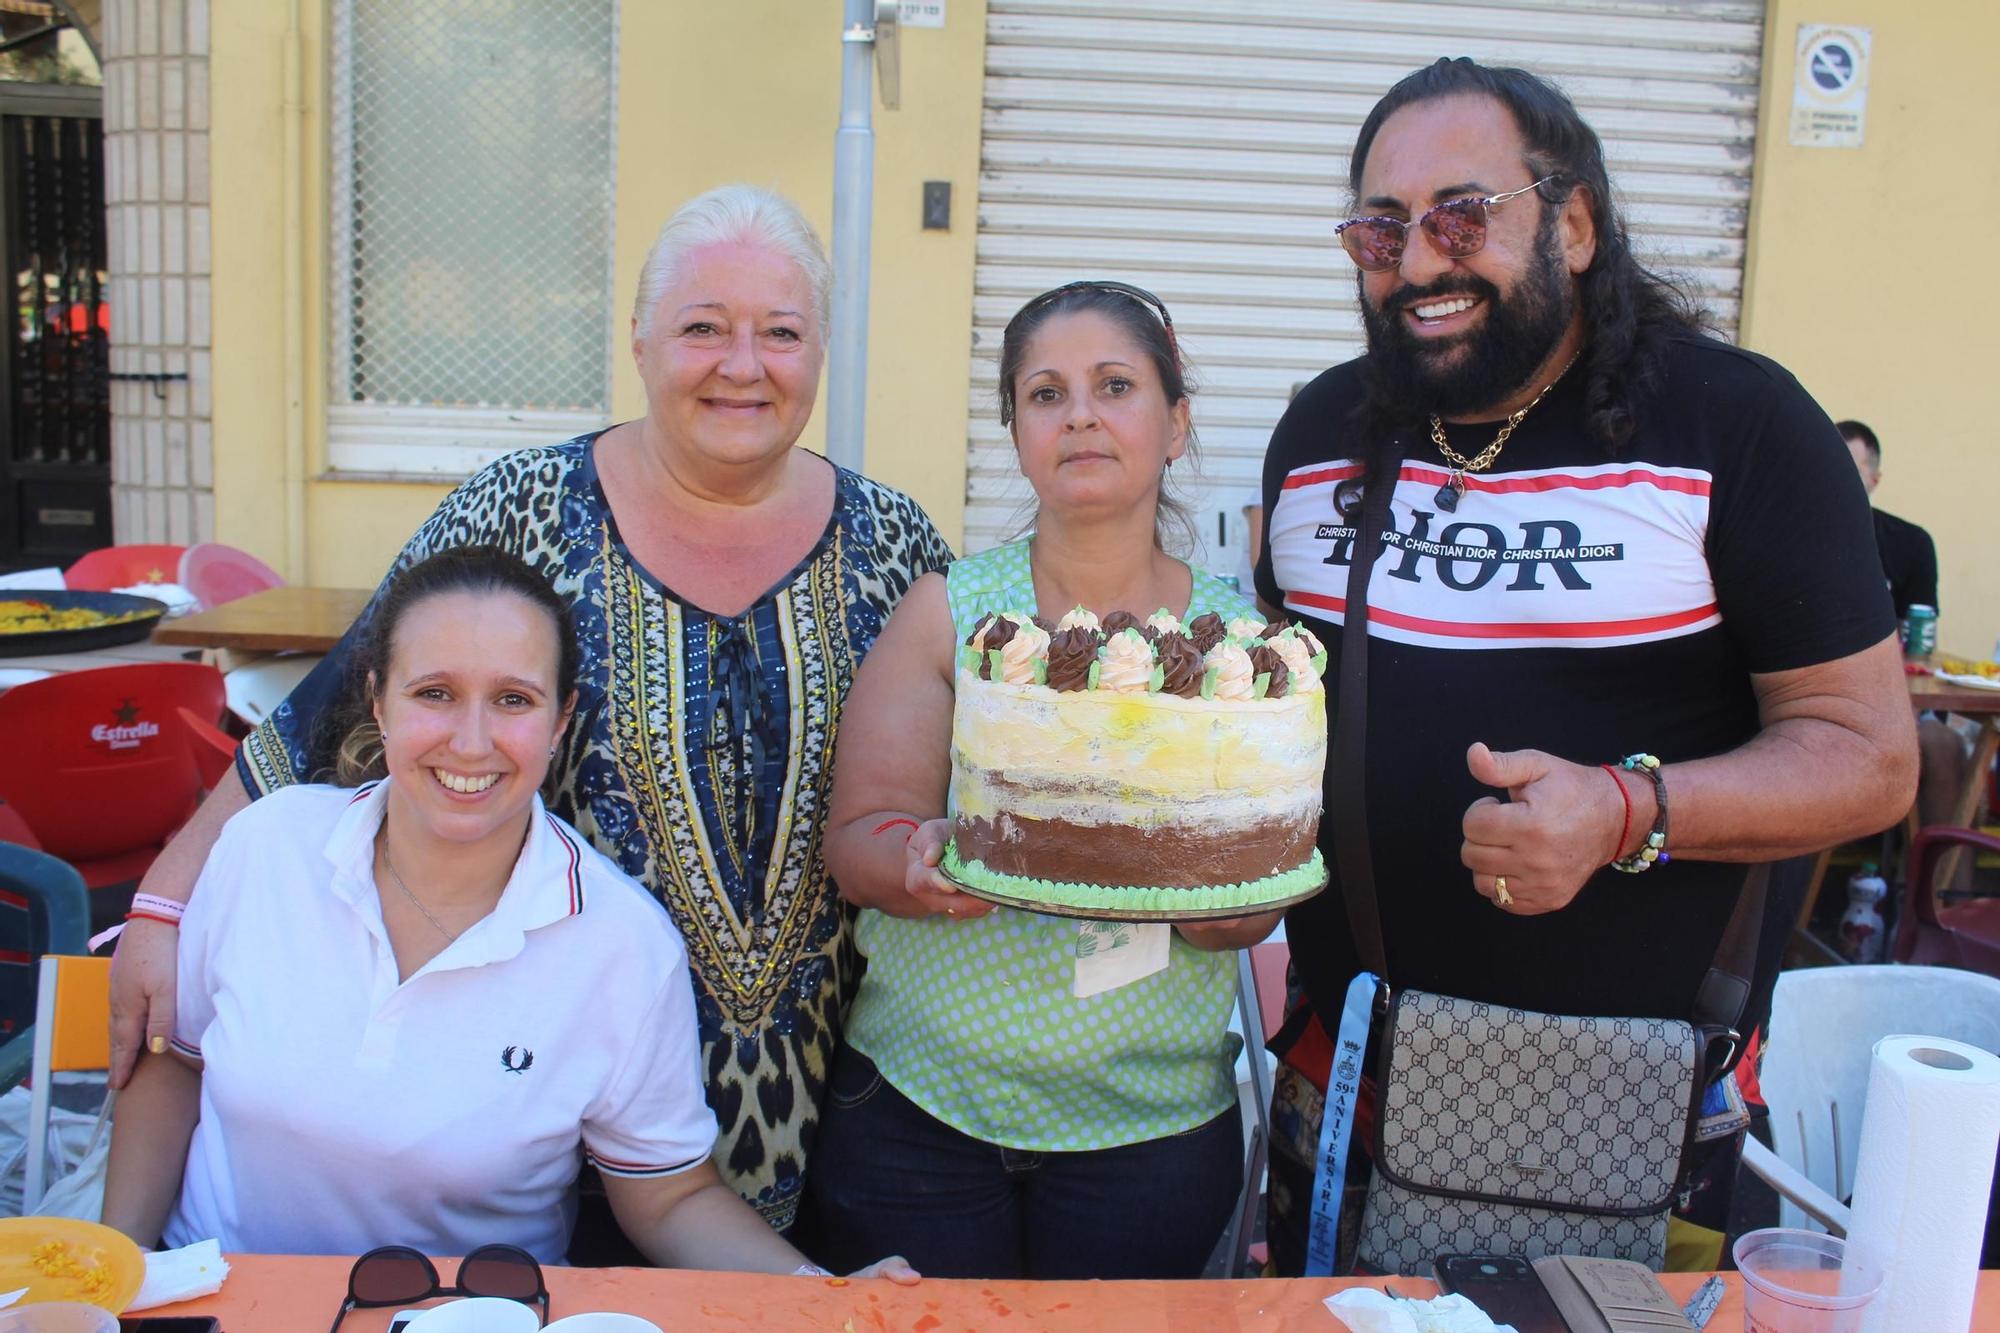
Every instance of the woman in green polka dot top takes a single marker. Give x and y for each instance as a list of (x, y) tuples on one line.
[(1007, 1104)]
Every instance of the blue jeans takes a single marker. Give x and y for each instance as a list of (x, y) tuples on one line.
[(887, 1177)]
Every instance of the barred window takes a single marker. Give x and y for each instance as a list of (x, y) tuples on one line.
[(470, 236)]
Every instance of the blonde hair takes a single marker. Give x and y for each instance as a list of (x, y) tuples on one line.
[(733, 215)]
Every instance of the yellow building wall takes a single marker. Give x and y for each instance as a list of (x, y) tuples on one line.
[(1867, 277), (707, 94)]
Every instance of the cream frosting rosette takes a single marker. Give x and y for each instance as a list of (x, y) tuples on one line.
[(1234, 676), (1245, 628), (1079, 617), (1022, 654), (1166, 622), (1298, 660), (1125, 663)]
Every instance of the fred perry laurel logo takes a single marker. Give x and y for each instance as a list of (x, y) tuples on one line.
[(527, 1060)]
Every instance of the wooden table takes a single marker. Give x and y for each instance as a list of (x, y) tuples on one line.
[(298, 1294), (277, 620)]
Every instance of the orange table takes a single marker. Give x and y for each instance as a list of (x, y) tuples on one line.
[(281, 1294), (276, 620)]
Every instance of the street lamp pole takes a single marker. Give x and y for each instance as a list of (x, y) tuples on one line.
[(867, 27)]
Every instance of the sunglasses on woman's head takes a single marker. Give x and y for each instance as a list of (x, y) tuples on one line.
[(1139, 294), (399, 1275), (1456, 229)]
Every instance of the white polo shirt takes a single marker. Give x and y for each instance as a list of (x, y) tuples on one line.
[(341, 1110)]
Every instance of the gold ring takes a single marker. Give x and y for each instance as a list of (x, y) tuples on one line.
[(1500, 894)]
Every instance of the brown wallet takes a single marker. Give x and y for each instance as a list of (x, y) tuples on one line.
[(1609, 1296)]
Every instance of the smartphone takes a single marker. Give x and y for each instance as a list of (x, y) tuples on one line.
[(1505, 1287), (173, 1324)]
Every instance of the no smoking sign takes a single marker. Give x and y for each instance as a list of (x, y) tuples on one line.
[(1830, 86)]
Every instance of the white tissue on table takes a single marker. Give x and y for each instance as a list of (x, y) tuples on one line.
[(1366, 1310), (181, 1275), (178, 599)]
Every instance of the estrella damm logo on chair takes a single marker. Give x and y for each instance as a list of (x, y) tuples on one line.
[(129, 732)]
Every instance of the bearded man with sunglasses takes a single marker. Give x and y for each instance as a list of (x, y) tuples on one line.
[(1610, 537)]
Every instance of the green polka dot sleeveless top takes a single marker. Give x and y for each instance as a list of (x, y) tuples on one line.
[(975, 1020)]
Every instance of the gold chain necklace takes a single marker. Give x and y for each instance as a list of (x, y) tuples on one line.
[(450, 935), (1454, 486)]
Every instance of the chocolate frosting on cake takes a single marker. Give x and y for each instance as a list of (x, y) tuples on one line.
[(1206, 631), (1264, 658), (1180, 665), (1071, 651)]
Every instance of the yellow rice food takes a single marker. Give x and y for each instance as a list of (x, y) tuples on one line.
[(27, 616)]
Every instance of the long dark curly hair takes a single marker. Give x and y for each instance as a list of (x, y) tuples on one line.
[(1629, 311)]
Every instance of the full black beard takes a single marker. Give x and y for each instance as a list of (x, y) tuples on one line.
[(1498, 357)]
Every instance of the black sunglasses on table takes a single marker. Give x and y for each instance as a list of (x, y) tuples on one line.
[(399, 1275)]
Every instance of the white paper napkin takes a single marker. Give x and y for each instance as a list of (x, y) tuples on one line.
[(1366, 1310), (178, 599), (181, 1275)]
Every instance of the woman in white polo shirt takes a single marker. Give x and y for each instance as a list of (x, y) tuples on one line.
[(409, 1010)]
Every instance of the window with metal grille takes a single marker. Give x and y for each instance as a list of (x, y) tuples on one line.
[(470, 229)]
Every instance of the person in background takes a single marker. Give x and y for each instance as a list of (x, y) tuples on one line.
[(369, 970), (1909, 557), (1909, 564), (727, 583)]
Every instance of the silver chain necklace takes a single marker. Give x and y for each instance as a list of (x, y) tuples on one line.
[(450, 935)]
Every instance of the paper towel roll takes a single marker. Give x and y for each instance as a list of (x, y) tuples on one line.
[(1927, 1140)]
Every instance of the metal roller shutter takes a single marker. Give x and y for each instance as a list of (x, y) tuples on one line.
[(1199, 149)]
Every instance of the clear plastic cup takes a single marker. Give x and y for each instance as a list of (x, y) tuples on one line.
[(1803, 1282)]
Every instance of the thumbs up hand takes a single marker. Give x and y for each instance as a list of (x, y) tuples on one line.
[(1560, 823)]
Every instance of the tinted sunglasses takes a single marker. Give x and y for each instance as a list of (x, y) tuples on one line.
[(399, 1275), (1456, 229)]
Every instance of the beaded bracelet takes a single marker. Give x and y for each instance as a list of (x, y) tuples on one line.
[(1653, 850)]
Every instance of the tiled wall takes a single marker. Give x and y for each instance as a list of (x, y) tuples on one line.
[(156, 197)]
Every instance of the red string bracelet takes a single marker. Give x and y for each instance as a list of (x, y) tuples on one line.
[(888, 824), (151, 916), (1626, 831)]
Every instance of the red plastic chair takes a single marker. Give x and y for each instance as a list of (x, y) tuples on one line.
[(99, 765), (214, 749), (122, 566), (216, 573), (1964, 934)]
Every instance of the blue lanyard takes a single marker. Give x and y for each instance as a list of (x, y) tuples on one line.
[(1336, 1126)]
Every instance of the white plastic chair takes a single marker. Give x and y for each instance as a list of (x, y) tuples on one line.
[(1825, 1022), (255, 689)]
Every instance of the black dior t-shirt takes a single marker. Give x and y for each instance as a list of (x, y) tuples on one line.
[(1578, 603)]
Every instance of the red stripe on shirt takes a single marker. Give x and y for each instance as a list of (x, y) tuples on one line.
[(12, 899), (1553, 481), (575, 864), (1516, 629)]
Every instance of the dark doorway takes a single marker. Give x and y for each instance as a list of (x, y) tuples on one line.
[(55, 406)]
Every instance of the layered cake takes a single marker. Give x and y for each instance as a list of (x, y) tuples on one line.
[(1137, 767)]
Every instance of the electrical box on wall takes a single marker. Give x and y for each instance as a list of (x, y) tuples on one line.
[(937, 205)]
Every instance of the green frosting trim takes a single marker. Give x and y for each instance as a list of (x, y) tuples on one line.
[(1319, 664), (1208, 679), (1096, 669), (1158, 678), (1261, 686), (1041, 671), (997, 662), (1253, 893)]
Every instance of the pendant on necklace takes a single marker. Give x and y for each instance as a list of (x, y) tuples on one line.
[(1448, 494)]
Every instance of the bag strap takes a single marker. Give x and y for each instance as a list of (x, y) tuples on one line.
[(1350, 736), (1720, 999)]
